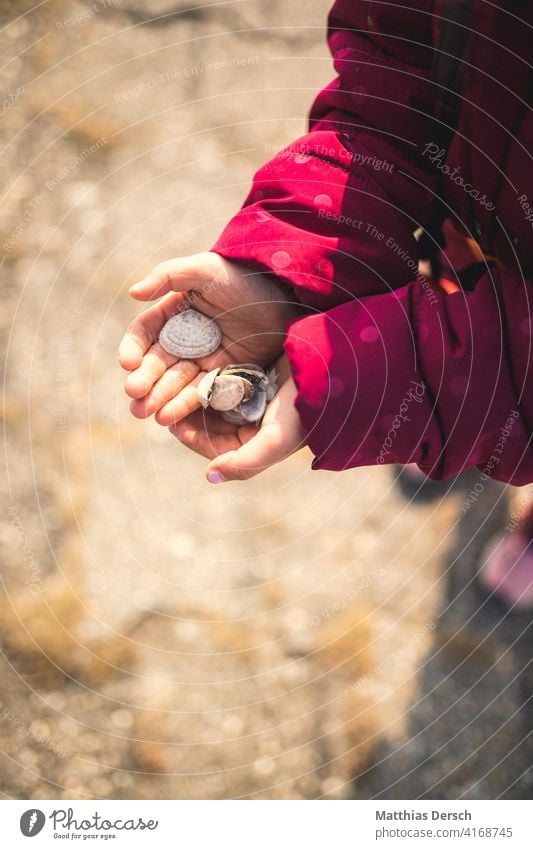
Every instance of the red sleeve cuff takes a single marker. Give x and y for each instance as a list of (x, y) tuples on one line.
[(361, 399), (414, 376)]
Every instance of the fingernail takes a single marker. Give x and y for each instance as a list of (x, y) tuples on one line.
[(215, 477)]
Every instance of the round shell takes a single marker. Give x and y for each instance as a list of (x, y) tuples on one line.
[(223, 390), (190, 335), (239, 392), (252, 408), (248, 412), (229, 391)]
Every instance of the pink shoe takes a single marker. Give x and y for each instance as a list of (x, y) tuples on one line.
[(507, 569)]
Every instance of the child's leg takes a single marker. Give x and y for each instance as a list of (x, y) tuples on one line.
[(416, 487), (507, 564)]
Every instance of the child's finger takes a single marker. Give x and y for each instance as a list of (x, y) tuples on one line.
[(180, 275), (153, 365), (185, 403), (167, 387), (262, 450), (144, 331)]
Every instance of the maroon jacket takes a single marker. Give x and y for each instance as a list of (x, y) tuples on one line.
[(387, 368)]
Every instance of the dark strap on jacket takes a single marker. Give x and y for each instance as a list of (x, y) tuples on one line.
[(448, 65), (448, 76)]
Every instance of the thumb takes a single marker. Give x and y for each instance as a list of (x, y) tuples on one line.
[(257, 454), (179, 275)]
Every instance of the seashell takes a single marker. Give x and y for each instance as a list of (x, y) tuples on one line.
[(223, 390), (190, 335), (203, 390), (240, 392), (229, 390)]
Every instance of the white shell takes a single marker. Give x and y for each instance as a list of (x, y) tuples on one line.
[(223, 391), (190, 335), (239, 392), (272, 387), (228, 392), (203, 390)]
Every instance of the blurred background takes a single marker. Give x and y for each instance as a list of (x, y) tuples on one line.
[(305, 635)]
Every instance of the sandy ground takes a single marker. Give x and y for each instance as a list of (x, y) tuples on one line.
[(160, 638)]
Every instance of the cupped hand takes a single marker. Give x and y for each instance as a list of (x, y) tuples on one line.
[(240, 452), (250, 308)]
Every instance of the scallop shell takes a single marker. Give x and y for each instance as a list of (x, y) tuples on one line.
[(190, 335), (239, 392)]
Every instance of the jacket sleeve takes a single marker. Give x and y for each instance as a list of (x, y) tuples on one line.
[(419, 376), (333, 214)]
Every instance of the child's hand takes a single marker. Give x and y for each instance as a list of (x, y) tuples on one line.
[(249, 307), (238, 453)]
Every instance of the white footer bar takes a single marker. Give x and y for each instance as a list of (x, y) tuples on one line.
[(267, 824)]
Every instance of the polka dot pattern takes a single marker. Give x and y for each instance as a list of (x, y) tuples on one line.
[(281, 259), (369, 334), (301, 158), (323, 201)]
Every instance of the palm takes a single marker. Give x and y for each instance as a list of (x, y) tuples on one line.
[(245, 451), (249, 307), (253, 326)]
